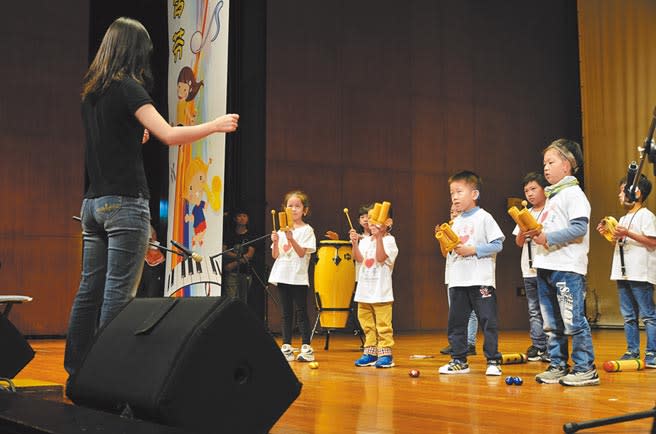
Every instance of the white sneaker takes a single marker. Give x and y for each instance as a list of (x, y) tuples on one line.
[(493, 369), (306, 355), (288, 352)]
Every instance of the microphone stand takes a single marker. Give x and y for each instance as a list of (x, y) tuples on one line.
[(259, 279)]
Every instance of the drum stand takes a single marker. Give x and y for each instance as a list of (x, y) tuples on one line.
[(357, 331)]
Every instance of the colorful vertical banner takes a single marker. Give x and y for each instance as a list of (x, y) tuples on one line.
[(197, 83)]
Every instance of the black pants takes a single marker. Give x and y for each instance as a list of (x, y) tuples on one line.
[(291, 295), (483, 300)]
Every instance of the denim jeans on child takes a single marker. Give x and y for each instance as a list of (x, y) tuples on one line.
[(637, 301), (535, 323), (115, 233), (562, 302)]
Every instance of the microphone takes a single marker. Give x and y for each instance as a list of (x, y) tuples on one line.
[(631, 184), (195, 256)]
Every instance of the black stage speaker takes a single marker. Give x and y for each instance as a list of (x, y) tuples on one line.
[(201, 363), (15, 351)]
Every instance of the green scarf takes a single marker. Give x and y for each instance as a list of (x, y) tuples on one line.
[(568, 181)]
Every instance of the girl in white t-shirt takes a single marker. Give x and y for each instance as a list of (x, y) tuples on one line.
[(291, 250), (376, 254)]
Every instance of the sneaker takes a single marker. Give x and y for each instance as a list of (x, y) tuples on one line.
[(306, 354), (545, 357), (587, 378), (471, 350), (552, 375), (288, 352), (366, 360), (455, 366), (385, 362), (493, 369), (534, 353), (446, 350), (650, 360), (629, 356)]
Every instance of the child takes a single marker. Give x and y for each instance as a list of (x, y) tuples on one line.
[(376, 253), (471, 275), (561, 261), (633, 270), (534, 184), (291, 250), (472, 325)]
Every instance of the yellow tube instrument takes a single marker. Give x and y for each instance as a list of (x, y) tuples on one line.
[(379, 214), (524, 218), (285, 220), (447, 238), (609, 224)]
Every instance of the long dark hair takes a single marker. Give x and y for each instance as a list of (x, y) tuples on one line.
[(124, 51)]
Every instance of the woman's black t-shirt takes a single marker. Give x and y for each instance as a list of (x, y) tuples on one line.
[(113, 157)]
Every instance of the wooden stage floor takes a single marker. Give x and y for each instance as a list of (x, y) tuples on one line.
[(341, 398)]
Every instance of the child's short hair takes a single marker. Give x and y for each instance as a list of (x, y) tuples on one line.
[(570, 150), (305, 199), (644, 185), (364, 209), (468, 177), (535, 177)]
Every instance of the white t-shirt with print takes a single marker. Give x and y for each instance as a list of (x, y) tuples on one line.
[(568, 204), (289, 268), (527, 270), (638, 260), (375, 278), (473, 230)]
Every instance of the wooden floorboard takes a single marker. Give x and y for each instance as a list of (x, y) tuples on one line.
[(341, 398)]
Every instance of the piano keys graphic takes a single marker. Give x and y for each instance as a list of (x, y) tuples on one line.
[(189, 272)]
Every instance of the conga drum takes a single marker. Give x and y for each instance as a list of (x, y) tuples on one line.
[(334, 282)]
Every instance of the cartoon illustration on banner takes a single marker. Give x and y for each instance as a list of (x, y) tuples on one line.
[(198, 59)]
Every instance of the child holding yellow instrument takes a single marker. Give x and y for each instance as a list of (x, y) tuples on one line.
[(376, 254), (291, 248), (471, 275), (633, 270), (561, 261), (534, 184)]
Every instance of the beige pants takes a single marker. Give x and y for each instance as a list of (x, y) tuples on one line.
[(376, 322)]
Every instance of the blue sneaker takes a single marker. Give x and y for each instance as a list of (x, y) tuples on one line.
[(630, 356), (385, 362), (366, 360), (650, 360)]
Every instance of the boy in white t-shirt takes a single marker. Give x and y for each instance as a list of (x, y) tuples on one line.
[(376, 254), (534, 184), (561, 258), (633, 269), (471, 275)]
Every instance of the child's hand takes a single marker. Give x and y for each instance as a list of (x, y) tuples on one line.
[(353, 236), (463, 250), (532, 233), (289, 235), (146, 136), (540, 239), (601, 227), (274, 237), (620, 232)]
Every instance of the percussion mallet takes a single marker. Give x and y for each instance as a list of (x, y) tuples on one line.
[(348, 218), (273, 219)]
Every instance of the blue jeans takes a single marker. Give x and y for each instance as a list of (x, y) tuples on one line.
[(472, 325), (535, 323), (637, 301), (562, 302), (115, 233)]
